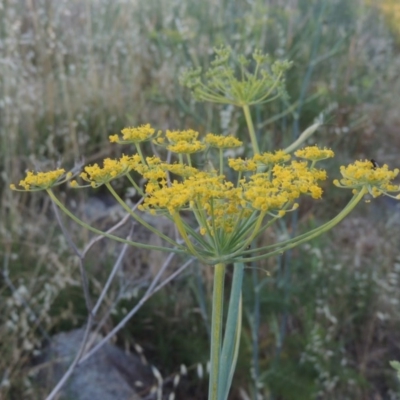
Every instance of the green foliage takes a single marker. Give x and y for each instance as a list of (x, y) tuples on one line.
[(323, 314), (165, 323), (261, 84), (396, 365)]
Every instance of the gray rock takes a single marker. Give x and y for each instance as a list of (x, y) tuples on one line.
[(110, 374)]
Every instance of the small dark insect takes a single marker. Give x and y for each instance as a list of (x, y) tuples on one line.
[(374, 163)]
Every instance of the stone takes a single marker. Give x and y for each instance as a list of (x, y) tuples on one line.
[(110, 374)]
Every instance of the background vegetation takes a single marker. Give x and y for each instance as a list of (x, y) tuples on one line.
[(325, 323)]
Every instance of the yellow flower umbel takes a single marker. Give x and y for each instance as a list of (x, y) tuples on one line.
[(35, 181), (314, 153), (241, 165), (267, 159), (222, 142), (97, 176), (228, 215), (373, 179), (135, 135), (184, 142)]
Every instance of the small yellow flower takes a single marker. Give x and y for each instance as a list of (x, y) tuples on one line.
[(134, 135), (188, 135), (222, 142), (155, 174), (131, 162), (184, 147), (238, 164), (378, 180), (272, 158), (316, 192), (113, 138), (35, 181), (314, 153), (159, 140), (180, 170), (97, 176)]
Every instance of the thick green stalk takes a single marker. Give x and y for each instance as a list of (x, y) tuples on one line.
[(252, 132), (232, 333), (216, 330), (139, 150), (302, 138)]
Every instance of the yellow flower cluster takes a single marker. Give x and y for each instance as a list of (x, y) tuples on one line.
[(42, 180), (314, 153), (181, 142), (366, 174), (97, 176), (184, 142), (153, 170), (268, 184), (186, 147), (222, 142), (181, 170), (240, 165), (286, 184), (188, 135), (134, 135), (203, 191), (268, 158), (225, 204)]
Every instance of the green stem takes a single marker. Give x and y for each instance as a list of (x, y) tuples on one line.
[(221, 161), (232, 333), (302, 138), (256, 229), (325, 227), (271, 89), (181, 229), (289, 110), (216, 330), (108, 235), (316, 232), (139, 219), (328, 225), (135, 185), (139, 150), (236, 242), (250, 126), (240, 173)]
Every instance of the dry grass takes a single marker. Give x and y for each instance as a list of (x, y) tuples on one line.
[(72, 72)]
